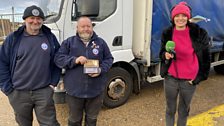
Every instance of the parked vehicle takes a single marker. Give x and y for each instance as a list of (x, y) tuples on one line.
[(132, 30)]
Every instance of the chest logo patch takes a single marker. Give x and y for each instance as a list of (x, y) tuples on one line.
[(95, 51), (44, 46)]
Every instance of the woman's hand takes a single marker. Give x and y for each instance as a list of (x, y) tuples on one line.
[(168, 55)]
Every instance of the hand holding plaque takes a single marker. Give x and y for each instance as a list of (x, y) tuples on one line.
[(81, 60), (91, 66)]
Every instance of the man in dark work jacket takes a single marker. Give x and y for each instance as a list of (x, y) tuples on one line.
[(28, 73)]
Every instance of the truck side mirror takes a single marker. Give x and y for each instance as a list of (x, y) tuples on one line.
[(87, 8)]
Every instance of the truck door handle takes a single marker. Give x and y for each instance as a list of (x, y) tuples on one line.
[(117, 41)]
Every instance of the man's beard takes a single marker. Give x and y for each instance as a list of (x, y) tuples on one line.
[(34, 28), (85, 37)]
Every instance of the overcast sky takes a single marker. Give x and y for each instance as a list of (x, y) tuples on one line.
[(19, 5)]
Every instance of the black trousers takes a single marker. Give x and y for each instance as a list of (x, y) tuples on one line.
[(174, 87), (83, 107)]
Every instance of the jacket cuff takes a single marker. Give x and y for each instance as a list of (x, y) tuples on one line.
[(8, 91), (196, 82)]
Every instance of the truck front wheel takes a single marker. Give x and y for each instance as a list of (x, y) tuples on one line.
[(118, 89)]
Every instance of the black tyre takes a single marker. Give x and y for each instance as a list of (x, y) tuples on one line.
[(118, 89), (220, 68)]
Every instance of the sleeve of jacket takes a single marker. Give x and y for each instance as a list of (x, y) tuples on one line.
[(164, 38), (56, 71), (107, 59), (5, 72), (62, 58), (205, 56), (162, 48)]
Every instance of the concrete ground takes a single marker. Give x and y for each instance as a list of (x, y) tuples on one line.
[(148, 108)]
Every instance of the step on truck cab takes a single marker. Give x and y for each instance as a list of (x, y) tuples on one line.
[(132, 30)]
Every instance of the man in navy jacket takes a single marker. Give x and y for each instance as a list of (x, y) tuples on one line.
[(84, 90), (27, 70)]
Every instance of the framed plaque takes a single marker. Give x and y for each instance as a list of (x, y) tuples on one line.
[(91, 66)]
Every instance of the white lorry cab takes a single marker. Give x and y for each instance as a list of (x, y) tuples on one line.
[(132, 30)]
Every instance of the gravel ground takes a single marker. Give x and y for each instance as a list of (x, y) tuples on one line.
[(145, 109)]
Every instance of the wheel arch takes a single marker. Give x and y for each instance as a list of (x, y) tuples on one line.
[(133, 69)]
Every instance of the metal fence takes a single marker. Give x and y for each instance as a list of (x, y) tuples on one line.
[(9, 23)]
